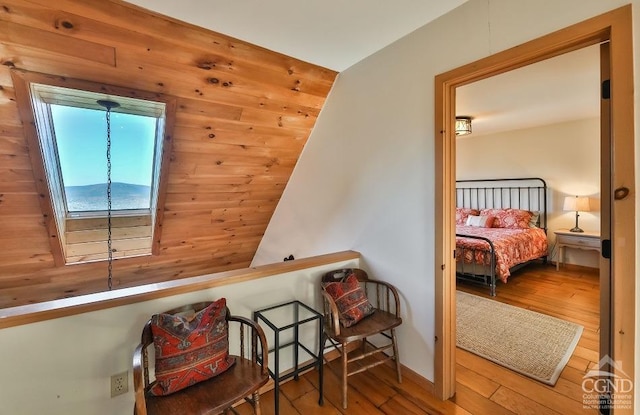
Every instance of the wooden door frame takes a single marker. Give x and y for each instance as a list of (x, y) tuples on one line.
[(616, 27)]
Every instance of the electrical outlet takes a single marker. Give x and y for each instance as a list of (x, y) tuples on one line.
[(119, 384)]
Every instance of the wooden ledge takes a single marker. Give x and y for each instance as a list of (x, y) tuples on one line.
[(25, 314)]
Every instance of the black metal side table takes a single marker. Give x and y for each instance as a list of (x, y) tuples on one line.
[(288, 320)]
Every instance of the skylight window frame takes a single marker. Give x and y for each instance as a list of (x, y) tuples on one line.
[(50, 191)]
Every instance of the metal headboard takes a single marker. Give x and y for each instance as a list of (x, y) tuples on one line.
[(527, 193)]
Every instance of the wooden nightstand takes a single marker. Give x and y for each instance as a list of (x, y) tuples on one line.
[(579, 240)]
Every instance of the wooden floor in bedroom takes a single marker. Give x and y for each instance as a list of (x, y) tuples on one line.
[(572, 294), (482, 387)]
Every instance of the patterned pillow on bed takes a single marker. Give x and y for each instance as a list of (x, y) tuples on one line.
[(509, 218), (463, 213)]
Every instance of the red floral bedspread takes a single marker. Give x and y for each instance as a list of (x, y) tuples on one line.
[(512, 246)]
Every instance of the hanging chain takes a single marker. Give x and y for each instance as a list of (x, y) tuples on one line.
[(109, 105), (109, 250)]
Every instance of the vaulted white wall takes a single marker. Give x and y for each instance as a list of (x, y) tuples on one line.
[(365, 180)]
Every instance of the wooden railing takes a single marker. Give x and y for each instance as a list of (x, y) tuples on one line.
[(32, 313)]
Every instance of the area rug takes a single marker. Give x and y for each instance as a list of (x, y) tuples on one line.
[(530, 343)]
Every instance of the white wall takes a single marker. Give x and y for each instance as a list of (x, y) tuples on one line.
[(565, 155), (63, 366), (365, 180)]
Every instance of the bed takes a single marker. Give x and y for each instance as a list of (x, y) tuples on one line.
[(501, 226)]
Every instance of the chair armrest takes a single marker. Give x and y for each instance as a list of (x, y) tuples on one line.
[(138, 381), (331, 315), (258, 334), (377, 301)]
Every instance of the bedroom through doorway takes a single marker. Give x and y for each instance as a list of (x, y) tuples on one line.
[(541, 120), (613, 30)]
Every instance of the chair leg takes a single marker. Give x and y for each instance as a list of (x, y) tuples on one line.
[(396, 356), (323, 342), (256, 403), (344, 375)]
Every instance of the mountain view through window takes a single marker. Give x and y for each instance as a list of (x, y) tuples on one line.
[(81, 139)]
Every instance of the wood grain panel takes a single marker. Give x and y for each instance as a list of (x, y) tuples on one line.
[(243, 116), (52, 42), (11, 147), (139, 20), (14, 161), (101, 235)]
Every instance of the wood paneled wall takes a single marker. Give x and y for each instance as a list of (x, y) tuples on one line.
[(244, 115)]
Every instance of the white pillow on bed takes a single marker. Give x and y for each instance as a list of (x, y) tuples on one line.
[(533, 222), (482, 221)]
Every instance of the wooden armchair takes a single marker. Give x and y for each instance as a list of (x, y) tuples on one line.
[(382, 322), (213, 396)]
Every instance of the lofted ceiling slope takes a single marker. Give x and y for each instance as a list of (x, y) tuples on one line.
[(244, 113), (331, 33)]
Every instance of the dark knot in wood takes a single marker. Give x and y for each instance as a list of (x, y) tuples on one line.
[(65, 24), (206, 65)]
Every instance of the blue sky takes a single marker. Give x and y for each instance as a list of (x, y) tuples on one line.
[(81, 136)]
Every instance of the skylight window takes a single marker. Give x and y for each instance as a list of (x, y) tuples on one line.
[(67, 127), (80, 138)]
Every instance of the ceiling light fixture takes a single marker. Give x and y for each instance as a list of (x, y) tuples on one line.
[(463, 125)]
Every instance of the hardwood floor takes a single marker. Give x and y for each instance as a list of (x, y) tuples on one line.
[(482, 387), (572, 294)]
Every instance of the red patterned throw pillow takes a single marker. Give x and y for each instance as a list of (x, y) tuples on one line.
[(351, 300), (509, 218), (190, 349)]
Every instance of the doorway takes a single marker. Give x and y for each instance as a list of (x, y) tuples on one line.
[(541, 120), (615, 27)]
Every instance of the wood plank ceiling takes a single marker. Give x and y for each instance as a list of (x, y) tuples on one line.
[(244, 115)]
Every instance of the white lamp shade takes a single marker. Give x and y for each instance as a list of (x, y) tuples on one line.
[(577, 204)]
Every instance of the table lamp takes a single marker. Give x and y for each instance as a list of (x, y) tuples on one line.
[(577, 204)]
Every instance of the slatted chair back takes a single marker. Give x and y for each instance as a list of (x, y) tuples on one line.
[(382, 322), (216, 395), (383, 296)]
